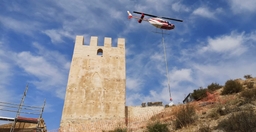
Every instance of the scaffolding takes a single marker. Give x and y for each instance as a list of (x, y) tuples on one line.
[(24, 109)]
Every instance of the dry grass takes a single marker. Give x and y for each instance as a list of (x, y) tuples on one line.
[(209, 112)]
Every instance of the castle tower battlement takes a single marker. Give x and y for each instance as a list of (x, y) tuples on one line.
[(107, 41), (80, 47), (96, 85)]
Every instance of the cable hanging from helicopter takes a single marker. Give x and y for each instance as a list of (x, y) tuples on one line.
[(167, 72), (161, 23)]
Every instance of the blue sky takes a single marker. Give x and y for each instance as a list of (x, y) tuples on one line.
[(216, 42)]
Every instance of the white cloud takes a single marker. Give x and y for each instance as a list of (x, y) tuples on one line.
[(232, 45), (223, 71), (224, 57), (115, 14), (161, 95), (251, 36), (57, 36), (178, 7), (25, 27), (136, 72), (145, 67), (52, 56), (177, 77), (149, 66), (5, 76), (35, 65), (204, 12), (84, 16), (153, 96), (133, 83), (158, 95), (181, 75), (5, 67), (225, 43), (157, 57), (239, 6), (133, 99), (49, 69)]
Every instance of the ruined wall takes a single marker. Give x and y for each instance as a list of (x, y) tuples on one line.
[(96, 85), (138, 116)]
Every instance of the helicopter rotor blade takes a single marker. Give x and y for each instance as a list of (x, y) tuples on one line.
[(144, 14), (137, 12), (159, 17), (172, 19)]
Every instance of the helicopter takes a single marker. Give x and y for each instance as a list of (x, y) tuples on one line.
[(158, 22)]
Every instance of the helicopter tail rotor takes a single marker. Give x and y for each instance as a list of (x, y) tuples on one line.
[(141, 18), (129, 15)]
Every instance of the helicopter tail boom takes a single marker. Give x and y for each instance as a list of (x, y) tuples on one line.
[(140, 19)]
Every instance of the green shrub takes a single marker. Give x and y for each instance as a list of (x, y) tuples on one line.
[(231, 87), (199, 93), (157, 127), (214, 86), (184, 116), (249, 84), (241, 122), (249, 95), (247, 76)]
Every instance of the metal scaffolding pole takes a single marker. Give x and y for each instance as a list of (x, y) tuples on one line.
[(24, 109), (19, 109)]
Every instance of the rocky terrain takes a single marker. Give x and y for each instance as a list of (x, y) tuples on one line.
[(228, 108)]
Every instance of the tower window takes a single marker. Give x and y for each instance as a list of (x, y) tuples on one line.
[(99, 52)]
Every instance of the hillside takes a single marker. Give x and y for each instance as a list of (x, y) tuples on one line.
[(231, 107)]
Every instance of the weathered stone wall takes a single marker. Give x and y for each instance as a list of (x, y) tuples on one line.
[(96, 84), (138, 116), (93, 125)]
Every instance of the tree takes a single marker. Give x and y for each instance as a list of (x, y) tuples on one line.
[(231, 87), (247, 76)]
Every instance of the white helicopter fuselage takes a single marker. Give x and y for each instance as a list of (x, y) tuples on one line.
[(160, 23), (156, 21)]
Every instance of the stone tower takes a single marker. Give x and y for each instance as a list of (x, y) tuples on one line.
[(95, 94)]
